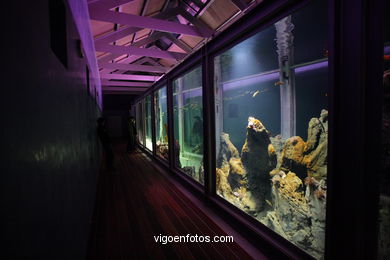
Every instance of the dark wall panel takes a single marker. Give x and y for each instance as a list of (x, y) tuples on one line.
[(49, 151)]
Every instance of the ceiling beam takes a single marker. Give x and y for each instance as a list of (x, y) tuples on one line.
[(198, 3), (144, 22), (152, 61), (130, 59), (107, 4), (178, 42), (152, 38), (106, 82), (129, 77), (124, 89), (141, 52), (113, 56), (125, 31), (240, 4), (133, 67), (203, 28), (116, 35)]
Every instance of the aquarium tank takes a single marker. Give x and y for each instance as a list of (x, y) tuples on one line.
[(161, 115), (384, 198), (140, 122), (271, 111), (148, 123), (188, 123)]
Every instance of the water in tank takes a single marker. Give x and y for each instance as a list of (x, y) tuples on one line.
[(271, 109), (188, 123)]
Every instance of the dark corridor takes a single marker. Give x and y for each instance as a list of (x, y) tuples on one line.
[(137, 202)]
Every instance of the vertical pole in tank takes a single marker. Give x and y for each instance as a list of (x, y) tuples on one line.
[(285, 50), (160, 116), (218, 97), (180, 113), (144, 121)]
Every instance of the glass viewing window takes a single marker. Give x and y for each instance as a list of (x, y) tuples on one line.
[(188, 124), (160, 104), (271, 110)]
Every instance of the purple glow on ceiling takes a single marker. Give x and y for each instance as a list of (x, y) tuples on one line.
[(79, 11)]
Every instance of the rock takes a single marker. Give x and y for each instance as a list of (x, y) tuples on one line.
[(237, 174), (300, 237), (177, 154), (290, 204), (313, 134), (292, 158), (189, 170), (317, 208), (316, 150), (162, 150), (258, 159), (201, 173), (227, 150), (277, 143), (272, 221), (222, 185), (289, 187)]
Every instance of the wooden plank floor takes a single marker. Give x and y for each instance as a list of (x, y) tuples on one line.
[(136, 203)]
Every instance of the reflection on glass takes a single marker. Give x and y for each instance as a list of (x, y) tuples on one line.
[(272, 127), (148, 123), (188, 124), (160, 102)]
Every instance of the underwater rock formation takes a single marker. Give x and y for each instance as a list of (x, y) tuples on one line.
[(292, 158), (290, 206), (258, 157), (277, 143), (162, 150), (267, 181), (177, 154), (201, 172), (305, 158), (384, 228), (237, 175), (298, 214), (316, 199), (189, 170), (222, 184), (316, 149), (232, 181), (227, 150)]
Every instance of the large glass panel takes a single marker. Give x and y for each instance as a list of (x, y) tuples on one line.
[(384, 199), (148, 123), (188, 123), (271, 97), (160, 102)]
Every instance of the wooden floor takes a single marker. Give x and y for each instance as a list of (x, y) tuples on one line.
[(135, 203)]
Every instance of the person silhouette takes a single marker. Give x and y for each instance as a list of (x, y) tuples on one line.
[(132, 135), (106, 143)]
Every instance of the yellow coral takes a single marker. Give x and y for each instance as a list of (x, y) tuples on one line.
[(254, 123), (222, 184), (236, 166), (271, 150), (288, 187)]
